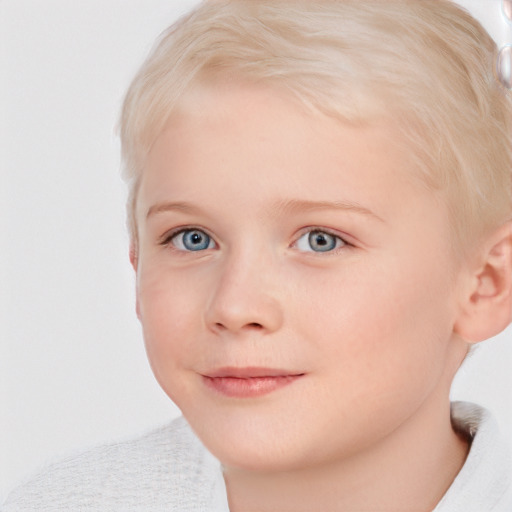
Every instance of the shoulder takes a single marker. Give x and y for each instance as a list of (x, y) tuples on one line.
[(167, 466)]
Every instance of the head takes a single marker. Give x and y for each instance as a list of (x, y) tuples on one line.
[(425, 66), (319, 190)]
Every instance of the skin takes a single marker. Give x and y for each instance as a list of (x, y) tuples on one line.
[(371, 327)]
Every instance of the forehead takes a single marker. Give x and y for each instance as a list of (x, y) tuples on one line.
[(257, 142)]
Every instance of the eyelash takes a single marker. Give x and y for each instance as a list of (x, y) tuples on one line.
[(167, 239), (341, 243)]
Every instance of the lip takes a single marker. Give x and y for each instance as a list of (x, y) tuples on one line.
[(249, 382)]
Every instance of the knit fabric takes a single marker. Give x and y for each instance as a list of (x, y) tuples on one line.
[(170, 470), (166, 470), (484, 484)]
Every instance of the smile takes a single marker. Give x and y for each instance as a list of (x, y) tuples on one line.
[(249, 382)]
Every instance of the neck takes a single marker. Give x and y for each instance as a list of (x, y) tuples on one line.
[(409, 470)]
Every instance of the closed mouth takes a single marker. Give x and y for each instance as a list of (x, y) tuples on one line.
[(250, 373), (249, 382)]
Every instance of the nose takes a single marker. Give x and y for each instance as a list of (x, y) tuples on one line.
[(245, 298)]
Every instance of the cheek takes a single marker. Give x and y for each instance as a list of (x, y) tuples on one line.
[(170, 318), (383, 327)]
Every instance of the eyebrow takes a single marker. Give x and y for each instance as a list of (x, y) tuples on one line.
[(299, 205), (280, 208), (172, 206)]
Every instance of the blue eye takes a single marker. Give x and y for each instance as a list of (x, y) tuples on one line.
[(192, 240), (319, 241)]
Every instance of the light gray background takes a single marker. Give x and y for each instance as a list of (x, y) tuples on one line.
[(73, 372)]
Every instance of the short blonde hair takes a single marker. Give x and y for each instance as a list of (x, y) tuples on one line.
[(426, 65)]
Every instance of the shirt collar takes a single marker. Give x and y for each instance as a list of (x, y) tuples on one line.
[(485, 481)]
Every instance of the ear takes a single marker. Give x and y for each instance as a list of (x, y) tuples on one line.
[(134, 260), (486, 307), (133, 256)]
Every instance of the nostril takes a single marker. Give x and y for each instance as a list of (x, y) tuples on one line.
[(219, 326)]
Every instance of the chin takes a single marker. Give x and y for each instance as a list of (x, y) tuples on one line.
[(261, 444)]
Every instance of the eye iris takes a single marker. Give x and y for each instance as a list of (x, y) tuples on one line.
[(322, 242), (196, 240)]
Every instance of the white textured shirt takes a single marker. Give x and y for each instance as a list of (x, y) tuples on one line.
[(170, 470)]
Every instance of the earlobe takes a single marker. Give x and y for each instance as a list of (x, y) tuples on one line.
[(133, 256), (134, 262), (486, 308)]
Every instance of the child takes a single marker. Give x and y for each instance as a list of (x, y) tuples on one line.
[(320, 206)]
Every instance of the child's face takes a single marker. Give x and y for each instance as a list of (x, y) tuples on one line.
[(310, 256)]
